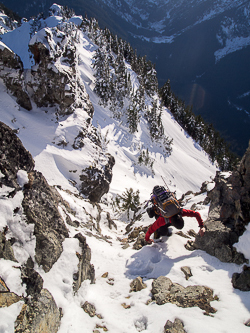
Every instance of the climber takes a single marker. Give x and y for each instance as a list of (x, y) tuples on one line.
[(160, 226)]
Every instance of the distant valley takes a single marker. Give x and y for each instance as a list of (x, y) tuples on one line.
[(203, 47)]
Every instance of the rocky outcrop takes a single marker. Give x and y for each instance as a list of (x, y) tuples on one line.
[(31, 278), (96, 180), (176, 327), (6, 251), (7, 298), (49, 227), (165, 291), (40, 207), (54, 80), (86, 270), (242, 280), (11, 71), (13, 157), (39, 315), (229, 213)]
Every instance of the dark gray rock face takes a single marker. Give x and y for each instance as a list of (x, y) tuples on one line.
[(6, 251), (86, 270), (13, 156), (242, 281), (165, 291), (229, 213), (96, 181), (32, 279), (49, 229), (48, 83), (11, 71), (39, 313)]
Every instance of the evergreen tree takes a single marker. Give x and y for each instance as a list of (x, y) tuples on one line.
[(121, 77), (102, 74), (133, 114), (129, 201), (209, 139)]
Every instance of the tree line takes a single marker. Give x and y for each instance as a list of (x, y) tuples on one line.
[(113, 86)]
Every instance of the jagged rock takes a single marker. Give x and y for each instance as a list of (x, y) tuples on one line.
[(165, 291), (134, 233), (103, 327), (96, 181), (187, 271), (140, 242), (242, 281), (85, 268), (176, 327), (7, 298), (13, 156), (3, 287), (192, 233), (39, 315), (6, 251), (181, 233), (126, 306), (48, 83), (32, 279), (137, 284), (190, 246), (89, 309), (229, 213), (105, 275), (11, 71), (49, 227)]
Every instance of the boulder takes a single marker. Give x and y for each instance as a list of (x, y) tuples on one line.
[(187, 271), (165, 291), (96, 180), (39, 315), (137, 284), (11, 71), (176, 327), (89, 309), (140, 241), (242, 280), (229, 213)]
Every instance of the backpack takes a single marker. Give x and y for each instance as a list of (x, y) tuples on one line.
[(165, 201)]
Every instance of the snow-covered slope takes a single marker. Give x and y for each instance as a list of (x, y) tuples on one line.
[(186, 169)]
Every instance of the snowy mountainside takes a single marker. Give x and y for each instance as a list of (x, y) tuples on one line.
[(42, 130), (184, 148), (201, 46)]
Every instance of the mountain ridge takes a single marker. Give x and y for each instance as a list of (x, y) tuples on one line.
[(72, 261), (204, 46)]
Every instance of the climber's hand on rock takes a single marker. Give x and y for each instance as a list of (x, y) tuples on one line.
[(202, 231)]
